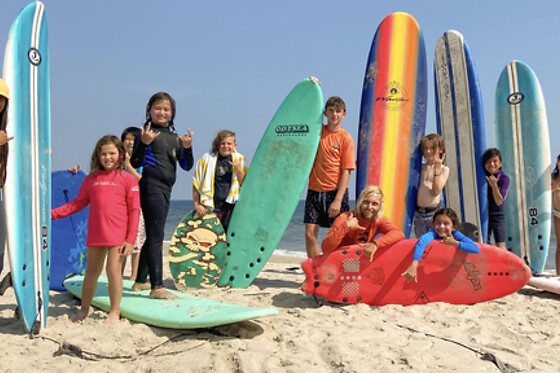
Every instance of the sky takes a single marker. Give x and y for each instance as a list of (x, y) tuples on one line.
[(229, 64)]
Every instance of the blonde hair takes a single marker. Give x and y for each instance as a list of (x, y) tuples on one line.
[(370, 189)]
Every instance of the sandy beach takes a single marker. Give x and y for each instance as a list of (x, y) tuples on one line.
[(516, 333)]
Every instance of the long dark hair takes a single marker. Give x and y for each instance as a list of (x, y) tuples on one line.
[(556, 171), (4, 148)]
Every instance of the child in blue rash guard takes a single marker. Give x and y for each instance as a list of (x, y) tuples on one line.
[(444, 229)]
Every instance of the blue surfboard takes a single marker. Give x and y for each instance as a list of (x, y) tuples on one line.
[(69, 235), (522, 137), (27, 191), (460, 120)]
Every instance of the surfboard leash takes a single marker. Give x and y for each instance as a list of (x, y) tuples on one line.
[(503, 367)]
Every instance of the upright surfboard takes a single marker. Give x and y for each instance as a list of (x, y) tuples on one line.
[(69, 235), (522, 137), (445, 274), (393, 116), (27, 190), (460, 120), (275, 181), (186, 312)]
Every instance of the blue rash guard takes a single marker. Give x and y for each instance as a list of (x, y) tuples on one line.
[(465, 243)]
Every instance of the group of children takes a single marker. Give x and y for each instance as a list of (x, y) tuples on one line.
[(130, 182), (327, 198), (129, 190)]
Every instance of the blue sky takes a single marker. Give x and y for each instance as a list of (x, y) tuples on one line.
[(229, 64)]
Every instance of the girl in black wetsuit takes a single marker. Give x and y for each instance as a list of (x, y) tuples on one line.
[(158, 152)]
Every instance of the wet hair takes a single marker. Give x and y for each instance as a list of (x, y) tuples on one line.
[(4, 148), (556, 171), (160, 96), (450, 213), (434, 140), (489, 153), (370, 189), (220, 136), (336, 102), (95, 164)]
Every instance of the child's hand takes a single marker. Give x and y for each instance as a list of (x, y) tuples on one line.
[(126, 249), (187, 139), (411, 272), (200, 209), (75, 169), (237, 166), (147, 135), (4, 137), (493, 181), (334, 209), (450, 241)]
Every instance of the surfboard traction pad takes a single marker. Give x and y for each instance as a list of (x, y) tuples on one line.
[(197, 252)]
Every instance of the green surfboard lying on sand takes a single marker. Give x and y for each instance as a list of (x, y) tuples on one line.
[(187, 312), (276, 179)]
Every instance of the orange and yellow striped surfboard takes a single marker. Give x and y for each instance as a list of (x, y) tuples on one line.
[(393, 116)]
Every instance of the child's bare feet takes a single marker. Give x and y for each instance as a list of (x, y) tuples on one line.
[(79, 316), (162, 293), (139, 286), (112, 318)]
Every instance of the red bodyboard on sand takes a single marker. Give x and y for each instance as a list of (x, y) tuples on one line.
[(445, 274)]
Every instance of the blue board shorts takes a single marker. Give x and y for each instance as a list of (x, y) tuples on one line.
[(317, 207)]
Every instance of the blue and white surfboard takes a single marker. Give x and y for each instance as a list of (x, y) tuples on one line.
[(522, 137), (27, 191), (460, 120)]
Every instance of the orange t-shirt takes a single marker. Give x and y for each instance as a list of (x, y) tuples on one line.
[(335, 153)]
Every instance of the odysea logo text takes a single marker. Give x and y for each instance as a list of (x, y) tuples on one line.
[(292, 129)]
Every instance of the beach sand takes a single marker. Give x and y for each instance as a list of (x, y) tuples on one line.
[(520, 332)]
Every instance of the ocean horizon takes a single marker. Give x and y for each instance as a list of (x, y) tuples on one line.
[(293, 240)]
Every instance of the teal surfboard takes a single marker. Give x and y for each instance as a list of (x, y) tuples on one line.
[(69, 235), (276, 179), (27, 192), (522, 137), (187, 312)]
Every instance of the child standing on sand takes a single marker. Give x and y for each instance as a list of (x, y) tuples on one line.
[(158, 152), (218, 178), (444, 228), (113, 197), (327, 194), (555, 188), (498, 185), (433, 177), (128, 138)]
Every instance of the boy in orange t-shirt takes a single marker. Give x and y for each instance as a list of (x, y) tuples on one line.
[(327, 194)]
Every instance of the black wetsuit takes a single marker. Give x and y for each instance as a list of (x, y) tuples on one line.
[(159, 162)]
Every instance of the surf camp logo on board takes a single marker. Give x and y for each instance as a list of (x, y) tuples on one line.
[(394, 95), (515, 98), (292, 129)]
